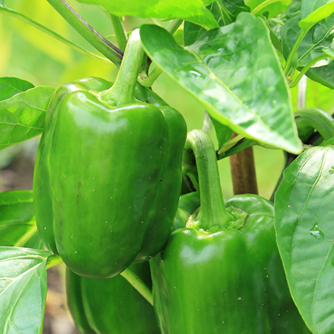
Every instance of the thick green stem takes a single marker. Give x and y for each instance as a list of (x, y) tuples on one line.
[(293, 51), (212, 211), (87, 32), (306, 68), (138, 284), (122, 92), (317, 120)]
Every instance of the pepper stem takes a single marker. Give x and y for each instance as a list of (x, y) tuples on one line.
[(212, 211), (122, 92)]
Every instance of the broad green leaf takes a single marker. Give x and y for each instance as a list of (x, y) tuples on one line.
[(235, 73), (22, 116), (190, 10), (17, 221), (273, 7), (318, 15), (304, 226), (12, 86), (23, 287), (308, 7)]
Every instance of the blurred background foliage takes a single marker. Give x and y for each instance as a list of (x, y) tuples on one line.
[(30, 54)]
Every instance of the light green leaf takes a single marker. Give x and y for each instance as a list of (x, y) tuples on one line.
[(17, 220), (23, 287), (319, 14), (304, 225), (190, 10), (235, 73), (12, 86), (22, 116)]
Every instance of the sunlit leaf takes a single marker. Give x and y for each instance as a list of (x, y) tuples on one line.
[(304, 224), (235, 73), (12, 86), (23, 287), (17, 221), (22, 116), (190, 10)]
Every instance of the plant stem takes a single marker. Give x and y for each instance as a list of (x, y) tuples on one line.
[(293, 51), (243, 172), (122, 92), (138, 284), (212, 211), (48, 31), (156, 72), (87, 32), (306, 68), (120, 32)]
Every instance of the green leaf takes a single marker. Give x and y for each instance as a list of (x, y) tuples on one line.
[(12, 86), (22, 116), (190, 10), (235, 73), (304, 226), (17, 218), (223, 133), (315, 11), (317, 38), (23, 287), (273, 7)]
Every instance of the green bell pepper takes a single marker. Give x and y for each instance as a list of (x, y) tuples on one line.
[(108, 172), (111, 305), (222, 273)]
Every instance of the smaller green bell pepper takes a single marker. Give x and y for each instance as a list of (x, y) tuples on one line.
[(110, 306), (222, 273)]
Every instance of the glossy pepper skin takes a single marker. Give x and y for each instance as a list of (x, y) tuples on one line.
[(110, 306), (108, 173), (223, 275)]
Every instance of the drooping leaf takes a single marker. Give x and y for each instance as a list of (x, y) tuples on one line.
[(12, 86), (17, 221), (190, 10), (304, 225), (22, 116), (22, 290), (235, 73)]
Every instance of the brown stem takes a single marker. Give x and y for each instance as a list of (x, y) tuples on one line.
[(243, 172)]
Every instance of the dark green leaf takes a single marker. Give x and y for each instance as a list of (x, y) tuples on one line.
[(12, 86), (190, 10), (22, 116), (304, 225), (235, 73), (17, 220), (318, 38), (192, 32), (22, 290)]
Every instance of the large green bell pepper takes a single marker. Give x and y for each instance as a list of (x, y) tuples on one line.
[(223, 273), (108, 173), (111, 305)]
